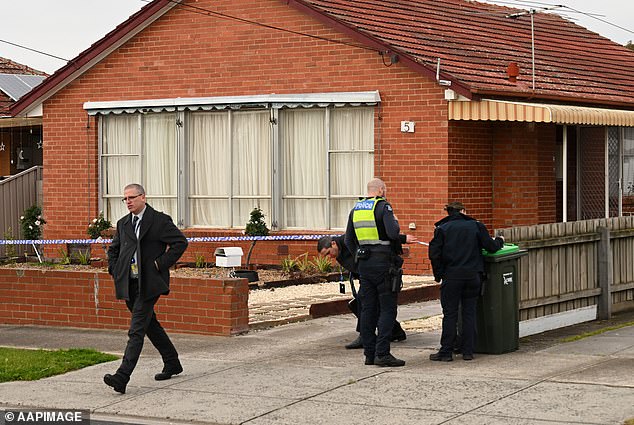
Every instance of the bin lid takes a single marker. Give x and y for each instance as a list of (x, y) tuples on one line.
[(508, 248), (228, 251)]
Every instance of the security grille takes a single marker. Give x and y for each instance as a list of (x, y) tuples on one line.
[(592, 172), (614, 171)]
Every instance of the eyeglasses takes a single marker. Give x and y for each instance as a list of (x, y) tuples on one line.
[(129, 198)]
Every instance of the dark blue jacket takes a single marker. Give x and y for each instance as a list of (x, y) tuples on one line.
[(456, 249)]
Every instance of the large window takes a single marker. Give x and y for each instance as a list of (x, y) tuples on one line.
[(303, 166)]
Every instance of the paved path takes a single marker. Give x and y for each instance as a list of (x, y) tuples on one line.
[(300, 373)]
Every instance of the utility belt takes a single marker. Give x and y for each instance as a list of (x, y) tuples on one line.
[(394, 277), (366, 252)]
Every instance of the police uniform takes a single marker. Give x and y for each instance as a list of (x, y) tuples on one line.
[(456, 258), (373, 232)]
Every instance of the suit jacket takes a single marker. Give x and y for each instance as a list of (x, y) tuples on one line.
[(159, 246)]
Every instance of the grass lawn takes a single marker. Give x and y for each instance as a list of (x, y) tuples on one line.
[(29, 365)]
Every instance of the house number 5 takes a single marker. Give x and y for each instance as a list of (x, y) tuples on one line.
[(407, 126)]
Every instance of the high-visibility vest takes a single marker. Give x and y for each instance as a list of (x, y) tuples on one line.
[(364, 223)]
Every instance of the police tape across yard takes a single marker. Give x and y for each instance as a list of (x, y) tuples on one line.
[(197, 239)]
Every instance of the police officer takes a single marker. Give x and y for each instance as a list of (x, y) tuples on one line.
[(456, 259), (334, 246), (373, 233)]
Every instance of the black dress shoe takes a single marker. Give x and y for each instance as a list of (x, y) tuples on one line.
[(116, 382), (168, 372), (388, 361), (467, 357), (437, 357), (355, 344), (369, 360)]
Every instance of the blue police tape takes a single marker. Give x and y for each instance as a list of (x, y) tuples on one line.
[(199, 239)]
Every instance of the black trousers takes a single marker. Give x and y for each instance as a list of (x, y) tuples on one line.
[(454, 292), (378, 307), (142, 323), (397, 330)]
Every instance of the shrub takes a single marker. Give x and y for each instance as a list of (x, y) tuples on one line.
[(289, 265), (32, 222), (98, 225), (255, 227), (322, 264), (200, 261)]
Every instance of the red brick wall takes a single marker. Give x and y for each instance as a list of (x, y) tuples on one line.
[(503, 172), (87, 300), (471, 174)]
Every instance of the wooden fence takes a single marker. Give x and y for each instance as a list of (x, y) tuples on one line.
[(17, 193), (574, 265)]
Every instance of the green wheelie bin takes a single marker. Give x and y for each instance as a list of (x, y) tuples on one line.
[(497, 319)]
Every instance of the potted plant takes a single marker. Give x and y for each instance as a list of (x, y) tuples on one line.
[(255, 227)]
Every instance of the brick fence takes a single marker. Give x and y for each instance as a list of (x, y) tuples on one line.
[(86, 300)]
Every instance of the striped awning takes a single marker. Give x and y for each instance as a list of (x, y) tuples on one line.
[(496, 110)]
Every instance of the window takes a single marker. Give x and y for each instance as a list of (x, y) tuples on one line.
[(139, 148), (303, 165)]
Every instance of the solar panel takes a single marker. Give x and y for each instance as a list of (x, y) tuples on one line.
[(17, 85)]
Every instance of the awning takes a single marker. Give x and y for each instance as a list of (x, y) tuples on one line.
[(307, 100), (496, 110)]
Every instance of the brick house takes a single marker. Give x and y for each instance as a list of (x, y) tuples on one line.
[(293, 105)]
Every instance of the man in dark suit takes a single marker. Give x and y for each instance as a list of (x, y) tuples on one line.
[(145, 245)]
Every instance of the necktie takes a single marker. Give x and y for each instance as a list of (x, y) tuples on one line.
[(135, 223)]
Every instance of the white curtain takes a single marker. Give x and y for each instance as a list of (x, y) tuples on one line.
[(251, 165), (304, 146), (161, 162), (351, 159), (209, 169), (121, 161)]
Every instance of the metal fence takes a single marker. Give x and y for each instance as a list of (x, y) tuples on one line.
[(17, 193), (574, 265)]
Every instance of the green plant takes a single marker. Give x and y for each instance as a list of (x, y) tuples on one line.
[(304, 265), (256, 226), (64, 258), (200, 261), (289, 265), (83, 257), (31, 223), (9, 250), (98, 225), (322, 264)]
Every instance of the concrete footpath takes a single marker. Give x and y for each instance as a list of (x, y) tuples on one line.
[(300, 373)]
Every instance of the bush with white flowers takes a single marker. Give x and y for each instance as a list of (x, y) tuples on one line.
[(98, 225), (32, 223)]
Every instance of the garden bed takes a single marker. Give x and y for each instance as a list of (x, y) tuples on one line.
[(269, 277)]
